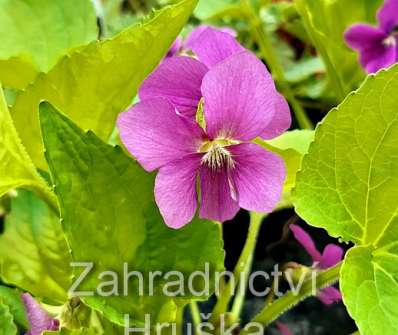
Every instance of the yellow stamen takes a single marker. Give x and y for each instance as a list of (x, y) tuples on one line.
[(390, 41), (217, 156)]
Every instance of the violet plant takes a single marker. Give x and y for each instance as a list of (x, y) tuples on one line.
[(128, 148), (378, 46)]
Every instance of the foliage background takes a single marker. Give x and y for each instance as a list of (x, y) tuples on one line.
[(314, 68)]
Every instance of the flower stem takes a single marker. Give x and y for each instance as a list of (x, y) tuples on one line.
[(338, 86), (241, 270), (179, 322), (240, 297), (271, 312), (267, 50), (195, 314)]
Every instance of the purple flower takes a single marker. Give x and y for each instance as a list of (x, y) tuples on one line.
[(181, 46), (332, 254), (39, 320), (179, 79), (240, 104), (195, 34), (378, 46)]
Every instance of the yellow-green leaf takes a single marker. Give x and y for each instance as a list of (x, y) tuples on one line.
[(16, 168), (93, 84), (110, 218), (369, 282), (35, 33), (349, 186), (7, 325), (291, 146), (33, 251)]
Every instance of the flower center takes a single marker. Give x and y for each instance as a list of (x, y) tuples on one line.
[(390, 41), (217, 156)]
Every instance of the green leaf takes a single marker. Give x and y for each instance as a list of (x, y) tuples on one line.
[(291, 146), (16, 168), (40, 259), (12, 298), (369, 282), (17, 72), (326, 22), (7, 325), (35, 33), (93, 84), (107, 204), (349, 179), (349, 186), (210, 9), (77, 318)]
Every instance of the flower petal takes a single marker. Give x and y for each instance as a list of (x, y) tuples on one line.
[(175, 190), (39, 320), (212, 46), (257, 176), (388, 15), (195, 33), (216, 195), (329, 295), (332, 254), (177, 79), (306, 242), (228, 31), (281, 120), (378, 58), (155, 134), (363, 36), (239, 98), (283, 329)]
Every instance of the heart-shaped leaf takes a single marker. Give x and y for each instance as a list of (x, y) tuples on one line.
[(111, 220)]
